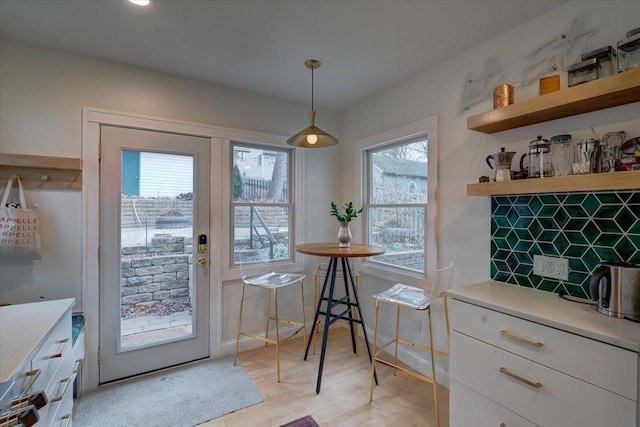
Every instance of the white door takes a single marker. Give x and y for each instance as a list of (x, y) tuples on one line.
[(154, 258)]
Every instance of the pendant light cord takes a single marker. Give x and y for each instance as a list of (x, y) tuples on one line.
[(312, 89)]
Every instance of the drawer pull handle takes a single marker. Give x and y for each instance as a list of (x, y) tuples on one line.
[(59, 355), (77, 367), (67, 381), (34, 376), (68, 418), (520, 378), (518, 338)]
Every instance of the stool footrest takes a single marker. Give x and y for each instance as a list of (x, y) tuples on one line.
[(415, 345), (405, 370)]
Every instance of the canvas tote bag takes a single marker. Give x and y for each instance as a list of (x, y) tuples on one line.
[(19, 226)]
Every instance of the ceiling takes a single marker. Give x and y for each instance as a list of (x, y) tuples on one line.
[(260, 46)]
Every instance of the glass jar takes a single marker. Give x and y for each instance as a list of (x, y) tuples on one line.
[(562, 153), (629, 51), (583, 72), (606, 60), (588, 157), (540, 165)]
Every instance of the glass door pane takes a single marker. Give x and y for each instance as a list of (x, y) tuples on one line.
[(156, 248)]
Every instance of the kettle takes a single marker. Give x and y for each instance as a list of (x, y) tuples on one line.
[(616, 288), (502, 162)]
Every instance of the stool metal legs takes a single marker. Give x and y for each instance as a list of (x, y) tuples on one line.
[(396, 341), (277, 320)]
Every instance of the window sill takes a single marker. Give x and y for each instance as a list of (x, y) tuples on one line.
[(392, 274)]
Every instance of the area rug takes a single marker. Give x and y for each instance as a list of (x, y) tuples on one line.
[(180, 397), (307, 421)]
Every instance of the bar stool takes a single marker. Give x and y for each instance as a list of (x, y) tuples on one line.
[(320, 274), (272, 282), (416, 299)]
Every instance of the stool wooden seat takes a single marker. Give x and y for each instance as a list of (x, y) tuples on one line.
[(416, 299), (272, 281), (320, 274)]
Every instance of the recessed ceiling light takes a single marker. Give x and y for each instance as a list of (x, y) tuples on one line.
[(140, 2)]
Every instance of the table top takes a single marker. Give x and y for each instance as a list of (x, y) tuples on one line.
[(331, 249)]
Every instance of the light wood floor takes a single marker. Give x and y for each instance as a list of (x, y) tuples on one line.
[(344, 399)]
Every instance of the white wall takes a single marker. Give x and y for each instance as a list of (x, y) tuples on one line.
[(42, 92), (465, 224)]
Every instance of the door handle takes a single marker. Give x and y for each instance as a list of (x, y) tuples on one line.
[(202, 262)]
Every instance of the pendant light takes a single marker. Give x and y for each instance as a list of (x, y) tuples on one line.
[(312, 136)]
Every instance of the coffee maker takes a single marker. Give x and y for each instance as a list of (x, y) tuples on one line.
[(502, 161)]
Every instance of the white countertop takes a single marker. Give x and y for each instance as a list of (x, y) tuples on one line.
[(22, 328), (549, 309)]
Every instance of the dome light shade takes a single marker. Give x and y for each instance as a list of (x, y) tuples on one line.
[(312, 136)]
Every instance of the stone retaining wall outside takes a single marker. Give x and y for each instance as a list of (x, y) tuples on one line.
[(136, 210), (155, 280), (409, 259), (156, 274)]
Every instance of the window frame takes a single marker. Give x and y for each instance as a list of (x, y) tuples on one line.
[(425, 127), (295, 184)]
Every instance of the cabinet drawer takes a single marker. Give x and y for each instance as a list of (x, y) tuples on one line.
[(550, 398), (470, 409), (59, 392), (579, 357), (64, 411), (52, 352)]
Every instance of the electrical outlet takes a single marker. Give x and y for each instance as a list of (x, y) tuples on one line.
[(547, 266)]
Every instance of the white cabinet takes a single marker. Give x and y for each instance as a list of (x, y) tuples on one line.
[(514, 363), (37, 353)]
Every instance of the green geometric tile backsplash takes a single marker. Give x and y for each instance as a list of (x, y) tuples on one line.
[(586, 228)]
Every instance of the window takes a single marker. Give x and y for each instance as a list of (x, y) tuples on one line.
[(261, 202), (398, 183)]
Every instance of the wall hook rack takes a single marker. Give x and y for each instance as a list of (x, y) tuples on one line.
[(60, 173)]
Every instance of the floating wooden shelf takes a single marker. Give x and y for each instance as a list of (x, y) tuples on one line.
[(588, 182), (62, 173), (611, 91)]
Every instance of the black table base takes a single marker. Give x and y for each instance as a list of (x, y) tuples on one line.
[(346, 304)]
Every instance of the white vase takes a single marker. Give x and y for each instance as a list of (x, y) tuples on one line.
[(344, 235)]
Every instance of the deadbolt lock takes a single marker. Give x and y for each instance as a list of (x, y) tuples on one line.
[(202, 262)]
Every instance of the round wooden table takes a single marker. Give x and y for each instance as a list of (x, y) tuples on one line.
[(350, 308)]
